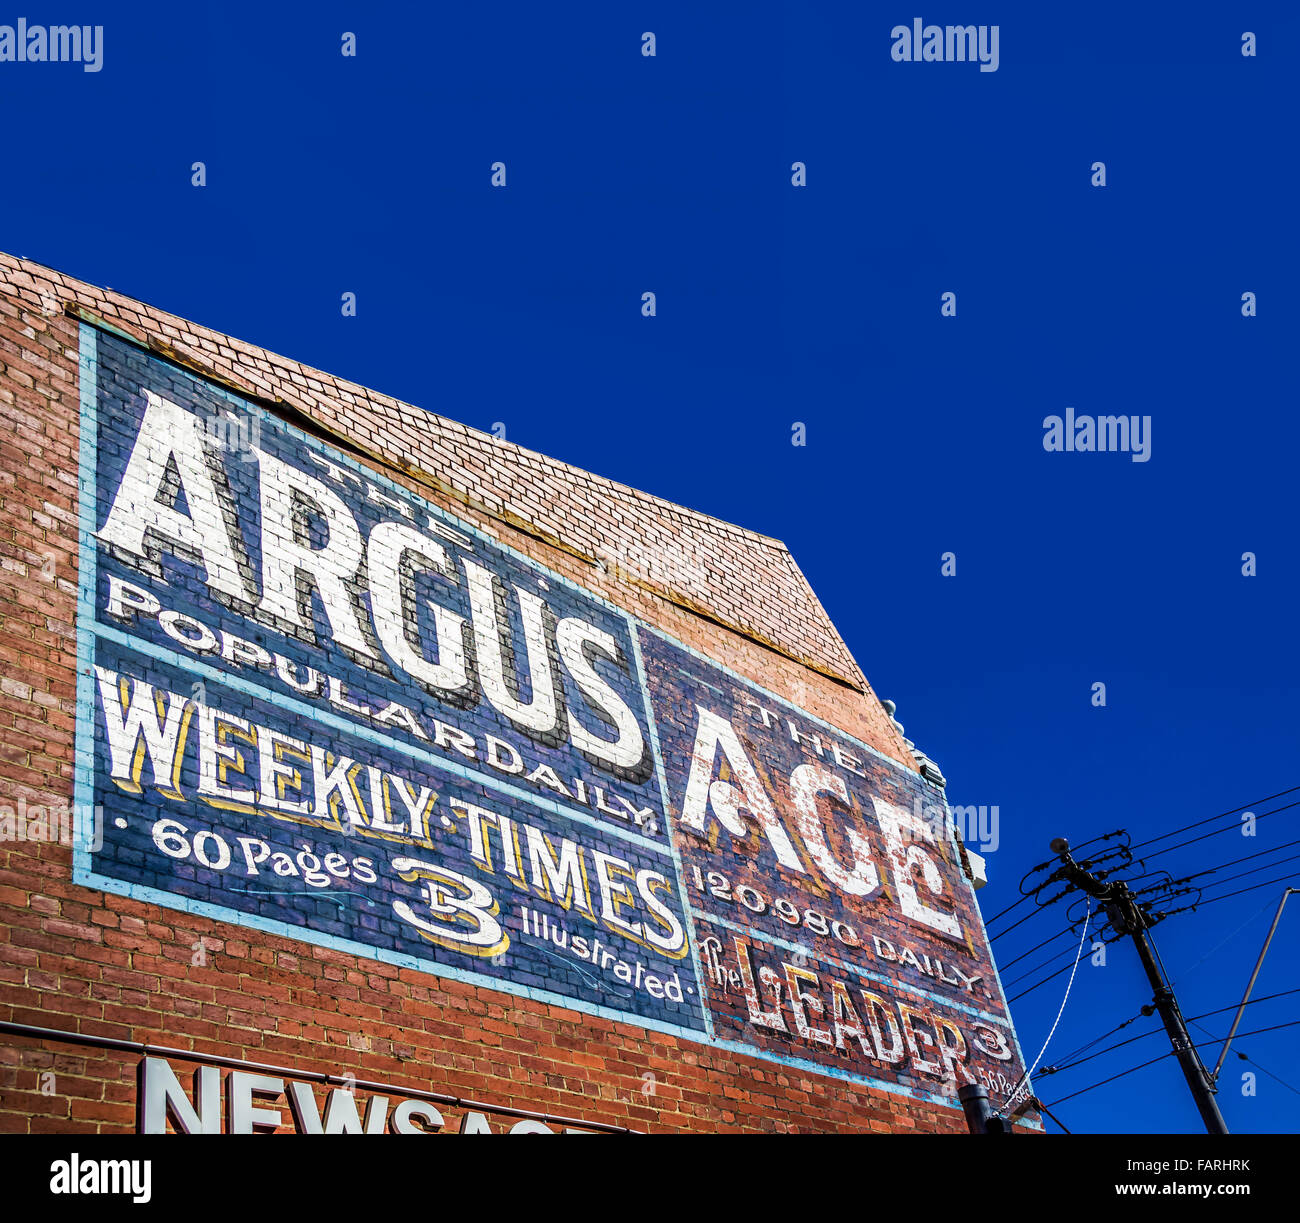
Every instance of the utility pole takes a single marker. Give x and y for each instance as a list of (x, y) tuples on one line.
[(1128, 917)]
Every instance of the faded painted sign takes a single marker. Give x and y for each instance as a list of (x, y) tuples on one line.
[(313, 703), (831, 914)]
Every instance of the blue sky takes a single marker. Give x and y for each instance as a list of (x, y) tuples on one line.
[(818, 305)]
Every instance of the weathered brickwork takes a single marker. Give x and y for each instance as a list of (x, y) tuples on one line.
[(574, 720)]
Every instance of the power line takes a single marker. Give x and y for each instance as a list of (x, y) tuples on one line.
[(1263, 853), (1052, 976), (1105, 836), (1044, 981), (1131, 920), (1070, 1065), (1134, 1069), (1253, 1062), (1056, 955), (1065, 951), (1222, 815), (1209, 871), (1254, 975), (1242, 891), (1268, 866), (1021, 956), (1131, 917), (1042, 866), (1145, 1013), (1029, 972), (1042, 1108), (1218, 946), (1218, 832), (1255, 887), (1170, 881), (1151, 841), (1003, 912), (1160, 1057), (993, 938)]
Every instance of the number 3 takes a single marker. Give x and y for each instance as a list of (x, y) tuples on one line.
[(474, 929)]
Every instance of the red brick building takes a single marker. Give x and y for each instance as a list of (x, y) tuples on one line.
[(346, 746)]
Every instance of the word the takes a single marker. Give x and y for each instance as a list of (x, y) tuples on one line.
[(820, 1009), (709, 798)]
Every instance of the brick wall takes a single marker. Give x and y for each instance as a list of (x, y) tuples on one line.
[(109, 966)]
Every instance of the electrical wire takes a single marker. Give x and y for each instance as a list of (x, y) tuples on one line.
[(1164, 972), (1021, 956), (1113, 1077), (1043, 1109), (1068, 1064), (1218, 832), (1263, 853), (1052, 976), (1105, 836), (993, 938), (1164, 977), (1029, 973), (1068, 1059), (1253, 888), (1011, 1099), (1214, 870), (1015, 904), (1039, 985), (1169, 1053), (1268, 866), (1264, 908), (1033, 892), (1167, 885), (1056, 955), (1222, 815), (1051, 959), (1276, 1078)]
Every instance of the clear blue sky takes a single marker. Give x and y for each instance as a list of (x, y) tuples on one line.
[(775, 305)]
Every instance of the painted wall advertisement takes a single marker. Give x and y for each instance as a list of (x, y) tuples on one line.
[(315, 704)]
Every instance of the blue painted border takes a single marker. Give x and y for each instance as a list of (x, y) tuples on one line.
[(83, 789), (687, 908)]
